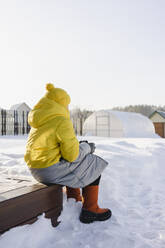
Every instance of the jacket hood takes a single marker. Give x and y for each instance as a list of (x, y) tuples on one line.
[(46, 110)]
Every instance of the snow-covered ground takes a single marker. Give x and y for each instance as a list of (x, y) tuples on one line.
[(133, 186)]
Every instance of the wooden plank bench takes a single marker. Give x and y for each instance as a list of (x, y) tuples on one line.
[(24, 203)]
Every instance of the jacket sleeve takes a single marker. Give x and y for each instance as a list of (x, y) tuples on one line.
[(69, 144), (84, 149)]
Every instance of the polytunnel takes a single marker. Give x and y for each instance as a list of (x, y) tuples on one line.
[(108, 123)]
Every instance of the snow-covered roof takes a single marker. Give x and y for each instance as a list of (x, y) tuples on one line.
[(17, 106), (159, 112)]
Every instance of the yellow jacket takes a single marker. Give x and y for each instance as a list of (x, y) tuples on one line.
[(52, 135)]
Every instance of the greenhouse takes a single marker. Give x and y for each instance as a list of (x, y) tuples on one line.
[(108, 123)]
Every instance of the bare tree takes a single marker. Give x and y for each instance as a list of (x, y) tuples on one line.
[(78, 117)]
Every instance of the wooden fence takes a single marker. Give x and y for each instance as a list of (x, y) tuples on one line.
[(14, 122)]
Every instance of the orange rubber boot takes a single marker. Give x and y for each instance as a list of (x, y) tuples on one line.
[(91, 211), (73, 193)]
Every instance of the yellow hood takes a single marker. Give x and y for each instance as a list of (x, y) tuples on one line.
[(46, 110)]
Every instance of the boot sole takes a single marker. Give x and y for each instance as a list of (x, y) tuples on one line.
[(88, 217)]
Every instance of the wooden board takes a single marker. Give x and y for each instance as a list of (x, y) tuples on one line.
[(14, 182), (24, 203)]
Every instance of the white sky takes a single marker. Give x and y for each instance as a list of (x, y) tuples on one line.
[(105, 53)]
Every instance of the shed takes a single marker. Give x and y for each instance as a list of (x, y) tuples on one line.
[(158, 119), (108, 123), (20, 107)]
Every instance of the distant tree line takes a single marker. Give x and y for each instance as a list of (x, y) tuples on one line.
[(146, 110)]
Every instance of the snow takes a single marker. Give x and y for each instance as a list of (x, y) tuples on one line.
[(132, 186)]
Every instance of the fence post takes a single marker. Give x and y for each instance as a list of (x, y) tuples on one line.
[(23, 123), (5, 115), (3, 122), (15, 122), (27, 124)]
